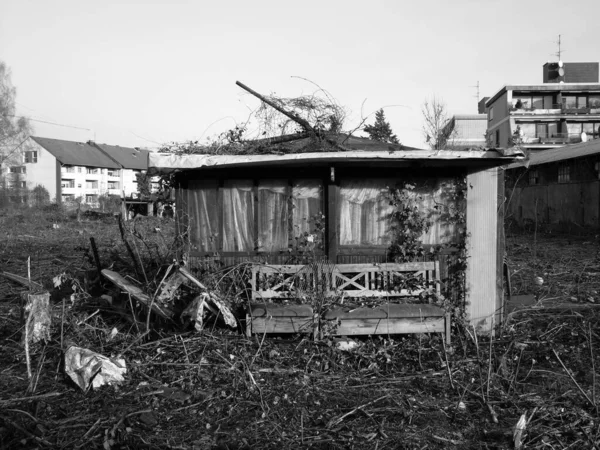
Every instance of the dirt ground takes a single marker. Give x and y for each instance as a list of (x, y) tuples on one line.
[(218, 389)]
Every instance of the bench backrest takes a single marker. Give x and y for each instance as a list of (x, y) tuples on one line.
[(351, 280)]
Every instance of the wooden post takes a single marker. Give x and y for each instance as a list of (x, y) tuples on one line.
[(332, 219), (96, 257)]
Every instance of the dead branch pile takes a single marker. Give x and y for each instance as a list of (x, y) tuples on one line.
[(308, 123)]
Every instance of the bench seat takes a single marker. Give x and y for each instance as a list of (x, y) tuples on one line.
[(388, 318), (277, 318)]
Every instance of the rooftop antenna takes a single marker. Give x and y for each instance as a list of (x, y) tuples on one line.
[(559, 50), (476, 87)]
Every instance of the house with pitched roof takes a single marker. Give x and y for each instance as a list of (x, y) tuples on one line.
[(88, 170)]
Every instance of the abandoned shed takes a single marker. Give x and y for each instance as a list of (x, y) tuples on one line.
[(336, 205), (557, 188)]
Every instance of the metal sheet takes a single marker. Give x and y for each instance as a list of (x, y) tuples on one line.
[(482, 224)]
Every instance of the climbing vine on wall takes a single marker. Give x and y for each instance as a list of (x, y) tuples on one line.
[(412, 218)]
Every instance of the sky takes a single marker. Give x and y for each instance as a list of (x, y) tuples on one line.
[(146, 73)]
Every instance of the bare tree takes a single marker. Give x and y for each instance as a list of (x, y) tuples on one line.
[(14, 130), (437, 128)]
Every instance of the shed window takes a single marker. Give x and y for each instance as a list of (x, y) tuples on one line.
[(534, 177), (232, 219), (364, 212), (238, 216), (564, 173), (272, 215)]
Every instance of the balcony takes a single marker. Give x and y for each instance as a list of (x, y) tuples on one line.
[(556, 139), (556, 109), (532, 111)]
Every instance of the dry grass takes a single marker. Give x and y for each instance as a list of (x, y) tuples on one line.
[(219, 389)]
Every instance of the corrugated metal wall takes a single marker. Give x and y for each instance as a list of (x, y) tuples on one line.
[(483, 291), (569, 203)]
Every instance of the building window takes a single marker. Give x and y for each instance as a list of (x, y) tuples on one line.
[(18, 169), (91, 184), (113, 185), (534, 177), (91, 198), (67, 183), (491, 114), (497, 138), (31, 156), (580, 101), (564, 173), (79, 169), (114, 172), (91, 170), (23, 184), (530, 101), (68, 169), (68, 198)]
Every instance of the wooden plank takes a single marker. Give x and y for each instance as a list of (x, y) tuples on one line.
[(137, 294), (385, 267), (500, 251), (366, 293), (260, 325), (357, 327), (22, 281)]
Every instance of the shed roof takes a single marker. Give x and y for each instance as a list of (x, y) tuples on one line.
[(166, 162), (129, 158), (559, 154), (76, 153)]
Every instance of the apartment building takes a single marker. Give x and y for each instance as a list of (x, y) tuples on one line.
[(465, 131), (564, 109), (69, 170)]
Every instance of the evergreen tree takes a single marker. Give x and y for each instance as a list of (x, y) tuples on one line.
[(381, 129)]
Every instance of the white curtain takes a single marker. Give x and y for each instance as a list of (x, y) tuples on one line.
[(238, 216), (434, 205), (306, 200), (273, 215), (364, 212), (203, 220)]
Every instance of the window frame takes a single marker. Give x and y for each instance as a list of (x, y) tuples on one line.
[(534, 177), (290, 182), (93, 182), (30, 157), (564, 173)]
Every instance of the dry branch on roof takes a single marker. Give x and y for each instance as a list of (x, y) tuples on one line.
[(308, 123)]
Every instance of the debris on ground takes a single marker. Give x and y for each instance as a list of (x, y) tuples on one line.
[(89, 369), (36, 317), (533, 383)]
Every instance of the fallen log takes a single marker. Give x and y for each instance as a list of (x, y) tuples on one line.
[(137, 294), (22, 280)]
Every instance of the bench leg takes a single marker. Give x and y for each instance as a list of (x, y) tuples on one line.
[(248, 325), (448, 328)]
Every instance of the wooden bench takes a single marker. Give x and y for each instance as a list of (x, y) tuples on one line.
[(281, 282), (390, 281)]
